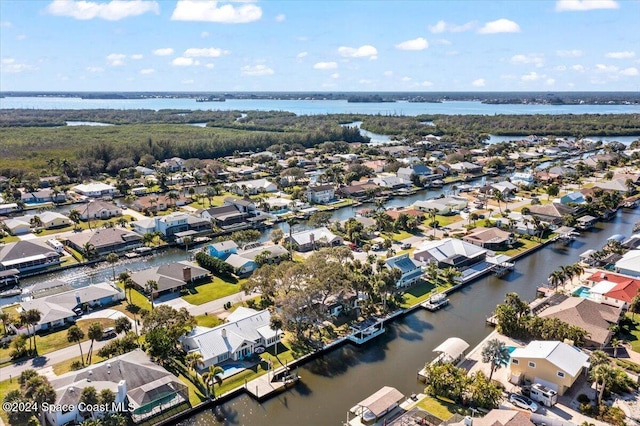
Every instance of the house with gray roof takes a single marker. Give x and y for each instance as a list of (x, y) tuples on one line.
[(314, 238), (28, 256), (450, 252), (169, 277), (99, 209), (410, 268), (245, 330), (142, 387), (105, 241)]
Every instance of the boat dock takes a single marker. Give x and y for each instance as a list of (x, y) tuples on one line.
[(366, 330), (435, 302), (273, 382), (451, 351)]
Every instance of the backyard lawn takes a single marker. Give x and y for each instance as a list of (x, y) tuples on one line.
[(213, 290), (208, 321), (7, 386), (631, 331), (420, 292), (442, 409), (520, 246), (65, 366)]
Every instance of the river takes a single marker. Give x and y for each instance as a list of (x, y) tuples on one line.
[(313, 107), (336, 381)]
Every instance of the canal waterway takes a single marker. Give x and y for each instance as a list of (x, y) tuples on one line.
[(334, 382)]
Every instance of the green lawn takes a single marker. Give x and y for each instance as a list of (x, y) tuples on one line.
[(208, 320), (195, 397), (7, 386), (420, 292), (343, 203), (631, 331), (211, 291), (9, 239), (520, 246), (137, 298), (440, 408), (65, 366)]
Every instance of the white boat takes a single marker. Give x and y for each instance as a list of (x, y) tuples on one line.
[(436, 302), (377, 408)]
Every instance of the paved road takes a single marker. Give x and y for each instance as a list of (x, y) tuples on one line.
[(45, 362), (213, 307)]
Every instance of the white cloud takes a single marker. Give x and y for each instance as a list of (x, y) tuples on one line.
[(582, 5), (631, 71), (211, 11), (335, 75), (302, 54), (550, 82), (479, 82), (500, 26), (426, 83), (187, 81), (621, 55), (210, 66), (532, 58), (204, 34), (165, 51), (256, 70), (406, 79), (606, 68), (532, 76), (184, 62), (365, 81), (147, 71), (561, 68), (21, 37), (5, 24), (387, 73), (137, 56), (442, 26), (111, 11), (116, 59), (95, 69), (281, 17), (10, 65), (574, 53), (366, 51), (578, 68), (207, 52), (325, 66), (442, 42), (419, 43)]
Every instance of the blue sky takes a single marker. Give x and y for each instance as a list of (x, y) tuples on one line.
[(301, 45)]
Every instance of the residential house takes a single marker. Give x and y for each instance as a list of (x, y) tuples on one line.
[(466, 167), (595, 318), (52, 220), (99, 209), (523, 178), (223, 249), (27, 256), (616, 185), (17, 226), (450, 252), (244, 205), (42, 196), (554, 364), (95, 189), (376, 165), (144, 171), (58, 310), (406, 173), (410, 268), (151, 203), (6, 208), (551, 213), (252, 187), (576, 197), (172, 224), (169, 277), (506, 188), (225, 216), (613, 289), (395, 213), (313, 239), (444, 206), (629, 264), (391, 182), (105, 241), (273, 253), (174, 164), (245, 331), (490, 238), (241, 265), (139, 384), (48, 181), (502, 417), (359, 190), (320, 194)]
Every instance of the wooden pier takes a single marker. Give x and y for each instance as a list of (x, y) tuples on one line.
[(273, 382)]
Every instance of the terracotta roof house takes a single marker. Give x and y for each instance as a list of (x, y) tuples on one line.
[(613, 289), (105, 241), (595, 318), (490, 238), (359, 189)]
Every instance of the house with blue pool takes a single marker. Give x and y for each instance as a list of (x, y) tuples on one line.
[(245, 331)]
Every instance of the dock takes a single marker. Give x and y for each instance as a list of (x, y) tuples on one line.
[(366, 330), (435, 302), (271, 383)]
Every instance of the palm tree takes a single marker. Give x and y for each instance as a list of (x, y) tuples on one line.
[(555, 279), (89, 251), (74, 216), (499, 197), (634, 306), (36, 222), (450, 274), (33, 318), (127, 283), (122, 221), (578, 270), (211, 377), (615, 344), (172, 197), (567, 273), (122, 325), (75, 334), (194, 360), (496, 353), (5, 318), (150, 287), (94, 333), (602, 374), (113, 258)]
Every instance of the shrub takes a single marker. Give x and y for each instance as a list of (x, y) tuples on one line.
[(76, 365), (583, 399), (586, 408)]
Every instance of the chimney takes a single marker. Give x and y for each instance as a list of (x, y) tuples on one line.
[(223, 332), (468, 421), (122, 391), (186, 274)]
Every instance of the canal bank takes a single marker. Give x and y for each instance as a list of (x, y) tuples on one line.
[(333, 381)]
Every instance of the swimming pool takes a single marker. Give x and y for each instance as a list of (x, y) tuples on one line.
[(231, 369), (582, 291)]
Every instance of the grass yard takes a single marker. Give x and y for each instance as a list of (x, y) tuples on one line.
[(65, 366), (7, 386), (520, 246), (208, 320), (630, 331), (420, 292), (137, 298), (213, 290), (195, 397), (442, 409), (9, 239)]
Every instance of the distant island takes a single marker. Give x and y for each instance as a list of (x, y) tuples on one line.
[(536, 98)]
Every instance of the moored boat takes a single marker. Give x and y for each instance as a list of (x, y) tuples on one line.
[(378, 408)]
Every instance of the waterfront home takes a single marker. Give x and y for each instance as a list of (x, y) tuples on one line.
[(58, 310), (99, 209), (17, 226), (629, 264), (245, 330), (554, 364), (551, 213), (222, 249), (26, 256), (242, 266), (576, 197), (144, 171), (9, 208), (612, 289), (169, 277), (52, 220), (359, 189), (171, 224), (137, 382), (465, 167), (586, 222), (450, 252), (490, 238), (224, 216), (22, 225), (271, 253), (150, 203), (505, 188), (410, 268), (320, 194), (173, 164), (252, 187), (615, 185), (42, 196), (105, 241), (95, 189), (500, 417), (391, 182), (407, 173), (523, 178), (594, 317), (314, 238), (443, 206)]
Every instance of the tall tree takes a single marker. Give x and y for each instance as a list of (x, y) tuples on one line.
[(75, 334), (112, 259), (150, 287), (496, 353), (95, 332), (211, 377)]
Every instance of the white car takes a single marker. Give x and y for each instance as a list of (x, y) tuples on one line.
[(523, 402)]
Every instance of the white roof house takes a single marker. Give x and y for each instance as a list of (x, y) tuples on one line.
[(566, 357), (448, 248), (306, 240), (245, 330), (630, 263), (94, 189)]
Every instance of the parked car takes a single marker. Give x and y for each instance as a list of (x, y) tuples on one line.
[(376, 247), (405, 246), (109, 333), (523, 402)]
